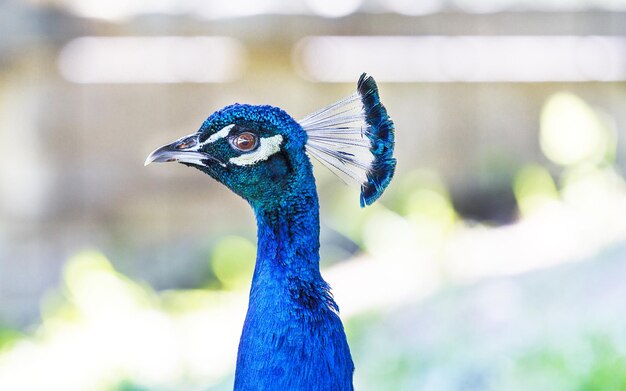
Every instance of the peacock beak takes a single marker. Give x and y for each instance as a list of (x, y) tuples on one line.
[(184, 150)]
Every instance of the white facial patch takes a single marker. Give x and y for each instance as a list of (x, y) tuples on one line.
[(218, 135), (267, 147)]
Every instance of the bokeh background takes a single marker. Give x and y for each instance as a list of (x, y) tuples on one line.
[(496, 260)]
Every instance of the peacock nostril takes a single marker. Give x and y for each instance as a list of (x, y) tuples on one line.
[(187, 143)]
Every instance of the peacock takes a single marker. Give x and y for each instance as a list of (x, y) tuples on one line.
[(292, 337)]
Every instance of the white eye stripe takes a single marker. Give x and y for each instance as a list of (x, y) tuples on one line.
[(218, 135), (213, 138), (267, 147)]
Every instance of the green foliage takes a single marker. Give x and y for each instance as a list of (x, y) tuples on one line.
[(608, 369), (8, 336), (129, 386), (233, 261), (573, 132)]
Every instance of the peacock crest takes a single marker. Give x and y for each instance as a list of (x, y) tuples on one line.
[(354, 138)]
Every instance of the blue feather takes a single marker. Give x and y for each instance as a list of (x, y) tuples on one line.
[(381, 135), (293, 338)]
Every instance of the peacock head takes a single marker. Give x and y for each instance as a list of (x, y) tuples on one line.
[(260, 152), (256, 151)]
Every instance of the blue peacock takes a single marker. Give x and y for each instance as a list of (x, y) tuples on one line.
[(292, 338)]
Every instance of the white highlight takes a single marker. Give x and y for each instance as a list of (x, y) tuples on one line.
[(268, 146), (413, 8), (218, 135), (122, 10), (89, 60), (464, 58), (334, 8), (117, 10)]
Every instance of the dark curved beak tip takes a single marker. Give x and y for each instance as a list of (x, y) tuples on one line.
[(161, 155)]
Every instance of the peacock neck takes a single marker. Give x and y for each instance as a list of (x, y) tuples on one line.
[(288, 239), (287, 271), (292, 336)]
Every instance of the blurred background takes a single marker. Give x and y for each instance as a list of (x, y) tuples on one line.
[(495, 261)]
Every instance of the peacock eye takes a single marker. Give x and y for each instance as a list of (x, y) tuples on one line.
[(244, 142)]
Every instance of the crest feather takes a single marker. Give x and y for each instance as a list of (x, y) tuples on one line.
[(354, 138)]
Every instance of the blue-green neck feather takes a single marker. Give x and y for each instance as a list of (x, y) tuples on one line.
[(293, 338)]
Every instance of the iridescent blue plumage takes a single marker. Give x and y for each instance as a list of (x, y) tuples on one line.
[(293, 338), (381, 135)]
